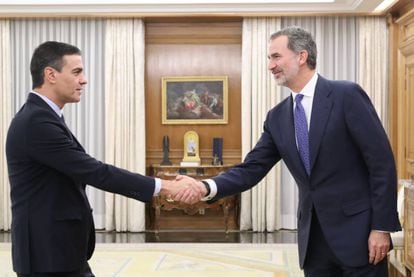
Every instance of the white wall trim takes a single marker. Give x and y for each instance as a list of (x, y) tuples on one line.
[(181, 7)]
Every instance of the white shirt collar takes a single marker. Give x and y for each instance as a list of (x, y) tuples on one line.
[(51, 104), (309, 89), (307, 102)]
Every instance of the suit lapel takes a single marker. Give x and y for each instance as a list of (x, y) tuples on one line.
[(77, 142), (321, 110), (38, 101), (71, 135)]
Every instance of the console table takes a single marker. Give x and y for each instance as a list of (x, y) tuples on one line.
[(224, 205)]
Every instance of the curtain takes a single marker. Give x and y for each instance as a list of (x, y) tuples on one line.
[(5, 107), (259, 205), (373, 61), (125, 116), (85, 119)]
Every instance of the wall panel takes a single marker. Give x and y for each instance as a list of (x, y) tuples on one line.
[(192, 49)]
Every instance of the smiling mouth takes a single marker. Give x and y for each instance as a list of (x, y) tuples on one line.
[(275, 73)]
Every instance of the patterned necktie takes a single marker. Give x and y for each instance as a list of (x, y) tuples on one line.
[(301, 129)]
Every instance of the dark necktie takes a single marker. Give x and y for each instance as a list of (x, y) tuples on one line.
[(301, 129), (62, 119)]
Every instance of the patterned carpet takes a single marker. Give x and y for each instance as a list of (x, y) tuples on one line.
[(186, 260)]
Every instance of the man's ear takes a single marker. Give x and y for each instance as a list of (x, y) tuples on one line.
[(50, 75), (303, 57)]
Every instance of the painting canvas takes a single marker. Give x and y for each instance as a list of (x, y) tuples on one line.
[(194, 100)]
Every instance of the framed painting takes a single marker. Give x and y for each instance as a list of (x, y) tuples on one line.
[(195, 100)]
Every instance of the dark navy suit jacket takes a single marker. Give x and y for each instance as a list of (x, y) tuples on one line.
[(352, 186), (52, 225)]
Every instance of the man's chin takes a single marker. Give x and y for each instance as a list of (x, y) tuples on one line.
[(280, 81)]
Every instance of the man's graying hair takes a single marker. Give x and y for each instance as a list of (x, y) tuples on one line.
[(298, 40)]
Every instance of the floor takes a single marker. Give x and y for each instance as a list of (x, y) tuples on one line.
[(283, 236), (185, 260)]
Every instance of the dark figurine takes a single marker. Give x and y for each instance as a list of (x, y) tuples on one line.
[(217, 151), (216, 160), (165, 151)]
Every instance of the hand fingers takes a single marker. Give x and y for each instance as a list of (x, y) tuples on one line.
[(185, 195), (194, 197), (179, 195), (186, 189), (376, 256), (185, 180), (182, 193), (192, 181), (191, 196), (378, 246), (379, 256), (198, 188)]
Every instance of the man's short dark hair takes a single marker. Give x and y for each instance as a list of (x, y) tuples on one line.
[(49, 53)]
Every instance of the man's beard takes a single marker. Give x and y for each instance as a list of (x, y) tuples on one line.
[(286, 78), (281, 81)]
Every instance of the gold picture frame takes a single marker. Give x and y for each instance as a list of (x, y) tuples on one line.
[(195, 100)]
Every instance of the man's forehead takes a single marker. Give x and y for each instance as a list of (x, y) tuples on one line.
[(72, 57), (278, 44), (279, 41), (73, 60)]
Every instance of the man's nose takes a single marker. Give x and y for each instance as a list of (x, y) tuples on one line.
[(270, 65)]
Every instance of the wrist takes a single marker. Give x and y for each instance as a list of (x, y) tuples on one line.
[(165, 187), (207, 187)]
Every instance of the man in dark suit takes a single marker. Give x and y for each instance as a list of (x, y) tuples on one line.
[(52, 225), (331, 139)]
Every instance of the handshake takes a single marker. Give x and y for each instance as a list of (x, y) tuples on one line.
[(183, 189)]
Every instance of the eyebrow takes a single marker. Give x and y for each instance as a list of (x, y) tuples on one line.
[(77, 69), (273, 55)]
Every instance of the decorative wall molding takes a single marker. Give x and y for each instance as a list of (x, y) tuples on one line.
[(113, 8)]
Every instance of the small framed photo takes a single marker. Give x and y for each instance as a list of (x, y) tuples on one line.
[(195, 100)]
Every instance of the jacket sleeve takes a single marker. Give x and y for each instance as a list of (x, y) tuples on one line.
[(369, 135), (50, 144), (255, 166)]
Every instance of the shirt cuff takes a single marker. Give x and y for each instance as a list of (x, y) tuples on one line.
[(213, 190), (157, 186)]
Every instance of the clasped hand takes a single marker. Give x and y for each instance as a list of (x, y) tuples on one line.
[(183, 189)]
